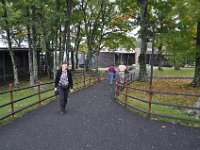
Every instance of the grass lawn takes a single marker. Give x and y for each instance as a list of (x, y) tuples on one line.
[(167, 72), (167, 85)]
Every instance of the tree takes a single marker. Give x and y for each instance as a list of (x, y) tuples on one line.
[(195, 7), (143, 31), (7, 28), (186, 34), (161, 19), (196, 80), (106, 25), (92, 15)]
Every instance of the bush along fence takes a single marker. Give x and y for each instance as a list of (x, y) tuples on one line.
[(14, 101), (165, 105)]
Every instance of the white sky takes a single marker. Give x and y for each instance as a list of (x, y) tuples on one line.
[(2, 45), (134, 32)]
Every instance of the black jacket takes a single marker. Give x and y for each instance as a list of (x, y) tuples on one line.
[(69, 75)]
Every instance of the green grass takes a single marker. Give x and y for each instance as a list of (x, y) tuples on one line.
[(183, 72)]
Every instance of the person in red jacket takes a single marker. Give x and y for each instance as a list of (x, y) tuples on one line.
[(63, 83), (111, 73)]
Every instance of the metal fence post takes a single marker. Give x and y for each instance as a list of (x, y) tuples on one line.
[(39, 96), (11, 100)]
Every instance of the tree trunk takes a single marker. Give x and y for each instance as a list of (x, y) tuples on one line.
[(49, 64), (48, 51), (77, 43), (30, 53), (68, 44), (15, 72), (61, 51), (160, 57), (65, 32), (55, 58), (89, 59), (56, 62), (72, 59), (143, 24), (64, 40), (49, 60), (77, 60), (34, 34), (97, 63), (196, 80), (177, 66)]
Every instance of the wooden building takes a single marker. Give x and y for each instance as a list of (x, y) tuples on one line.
[(106, 58), (128, 58), (21, 60)]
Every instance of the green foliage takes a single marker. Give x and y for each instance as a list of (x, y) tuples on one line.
[(106, 23), (119, 40), (176, 28)]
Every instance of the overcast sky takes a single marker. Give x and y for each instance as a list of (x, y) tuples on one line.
[(2, 45)]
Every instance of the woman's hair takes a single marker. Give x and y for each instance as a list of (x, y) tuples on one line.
[(64, 62)]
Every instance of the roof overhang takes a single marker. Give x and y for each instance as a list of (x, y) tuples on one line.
[(2, 49), (118, 52)]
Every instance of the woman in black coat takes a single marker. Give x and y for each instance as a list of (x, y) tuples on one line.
[(63, 83)]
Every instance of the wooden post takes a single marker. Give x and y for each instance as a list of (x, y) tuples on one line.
[(99, 76), (150, 101), (84, 80), (89, 79), (4, 68), (117, 89), (126, 94), (11, 100), (39, 96)]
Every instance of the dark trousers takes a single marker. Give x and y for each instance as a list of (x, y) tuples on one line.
[(63, 96)]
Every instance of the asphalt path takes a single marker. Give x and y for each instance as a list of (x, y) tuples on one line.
[(94, 121)]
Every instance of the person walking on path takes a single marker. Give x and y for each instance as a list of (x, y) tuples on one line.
[(122, 69), (111, 73), (63, 83)]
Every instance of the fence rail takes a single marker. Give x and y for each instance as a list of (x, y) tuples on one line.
[(122, 94), (8, 107)]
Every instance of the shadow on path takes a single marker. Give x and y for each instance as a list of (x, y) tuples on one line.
[(94, 121)]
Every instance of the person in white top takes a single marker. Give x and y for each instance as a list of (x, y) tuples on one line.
[(122, 69)]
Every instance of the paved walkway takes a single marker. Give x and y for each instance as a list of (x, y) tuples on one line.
[(94, 121)]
